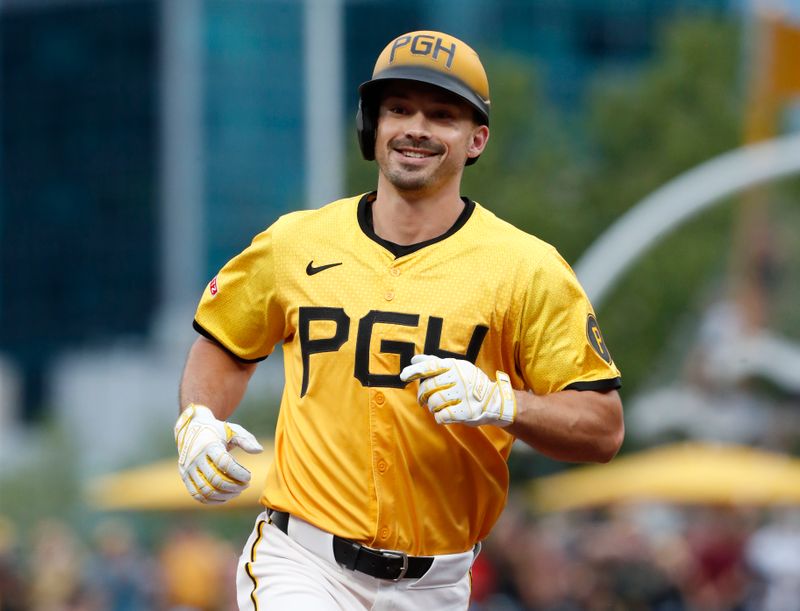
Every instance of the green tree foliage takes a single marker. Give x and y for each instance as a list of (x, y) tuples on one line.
[(683, 109), (530, 174), (784, 315), (45, 484)]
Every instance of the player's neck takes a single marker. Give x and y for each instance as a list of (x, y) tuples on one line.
[(409, 218)]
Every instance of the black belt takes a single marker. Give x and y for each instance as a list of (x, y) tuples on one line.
[(383, 564)]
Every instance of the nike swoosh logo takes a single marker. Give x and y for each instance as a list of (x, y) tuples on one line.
[(311, 270)]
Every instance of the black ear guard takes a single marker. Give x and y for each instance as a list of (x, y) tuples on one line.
[(366, 125)]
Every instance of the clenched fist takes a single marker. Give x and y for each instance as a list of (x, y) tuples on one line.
[(208, 470), (456, 391)]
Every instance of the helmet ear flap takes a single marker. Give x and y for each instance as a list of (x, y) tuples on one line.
[(366, 129)]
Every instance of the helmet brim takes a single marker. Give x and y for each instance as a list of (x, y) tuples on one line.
[(368, 90)]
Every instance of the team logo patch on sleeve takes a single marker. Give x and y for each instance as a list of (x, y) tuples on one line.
[(596, 339), (212, 287)]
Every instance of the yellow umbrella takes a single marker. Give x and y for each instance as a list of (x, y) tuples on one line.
[(681, 473), (158, 486)]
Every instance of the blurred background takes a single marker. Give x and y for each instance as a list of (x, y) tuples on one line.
[(656, 143)]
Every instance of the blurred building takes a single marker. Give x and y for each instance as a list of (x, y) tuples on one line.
[(143, 143), (85, 161)]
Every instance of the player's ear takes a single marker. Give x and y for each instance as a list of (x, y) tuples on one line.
[(478, 140)]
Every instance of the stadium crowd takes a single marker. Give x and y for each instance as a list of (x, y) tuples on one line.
[(635, 557)]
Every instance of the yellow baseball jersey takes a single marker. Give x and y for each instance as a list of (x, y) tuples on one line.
[(355, 454)]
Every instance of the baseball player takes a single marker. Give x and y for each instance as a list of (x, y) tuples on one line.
[(421, 336)]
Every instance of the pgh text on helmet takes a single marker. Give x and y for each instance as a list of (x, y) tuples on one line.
[(428, 57)]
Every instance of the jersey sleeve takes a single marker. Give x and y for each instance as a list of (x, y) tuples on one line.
[(239, 308), (560, 344)]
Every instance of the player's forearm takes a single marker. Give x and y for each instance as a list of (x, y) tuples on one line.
[(213, 378), (576, 426)]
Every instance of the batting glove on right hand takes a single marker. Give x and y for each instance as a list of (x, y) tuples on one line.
[(456, 391), (209, 472)]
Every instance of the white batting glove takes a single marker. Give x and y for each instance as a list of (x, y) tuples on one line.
[(456, 391), (210, 473)]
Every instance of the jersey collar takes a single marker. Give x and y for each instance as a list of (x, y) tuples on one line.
[(400, 250)]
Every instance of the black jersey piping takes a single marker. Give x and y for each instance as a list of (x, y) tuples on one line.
[(609, 384), (202, 331), (400, 250)]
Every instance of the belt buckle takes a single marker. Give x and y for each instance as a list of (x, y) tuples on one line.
[(388, 553)]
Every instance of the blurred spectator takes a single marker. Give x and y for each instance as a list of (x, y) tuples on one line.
[(531, 564), (12, 586), (541, 569), (774, 552), (637, 557), (619, 548), (56, 570), (195, 567), (119, 575), (719, 581), (484, 581)]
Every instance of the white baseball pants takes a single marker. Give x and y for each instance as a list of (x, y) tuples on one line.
[(297, 572)]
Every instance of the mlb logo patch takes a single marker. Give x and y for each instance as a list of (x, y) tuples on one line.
[(212, 287)]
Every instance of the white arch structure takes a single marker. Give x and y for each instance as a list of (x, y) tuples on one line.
[(658, 214)]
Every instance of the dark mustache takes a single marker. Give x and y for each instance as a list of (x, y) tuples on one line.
[(422, 145)]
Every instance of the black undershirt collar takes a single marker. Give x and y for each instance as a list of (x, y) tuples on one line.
[(400, 250)]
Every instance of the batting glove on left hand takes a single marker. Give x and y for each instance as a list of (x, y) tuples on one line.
[(210, 473), (456, 391)]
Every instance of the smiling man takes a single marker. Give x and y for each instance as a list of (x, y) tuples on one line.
[(423, 139), (421, 335)]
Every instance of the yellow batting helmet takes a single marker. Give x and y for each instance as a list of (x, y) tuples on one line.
[(427, 57)]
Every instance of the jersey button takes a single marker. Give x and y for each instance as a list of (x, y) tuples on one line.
[(382, 466), (379, 398), (384, 532), (394, 272), (389, 295)]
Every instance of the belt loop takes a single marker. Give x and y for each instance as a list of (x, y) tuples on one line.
[(279, 519), (354, 558)]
